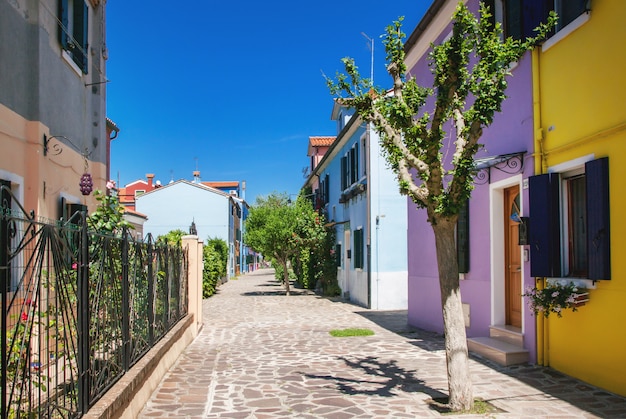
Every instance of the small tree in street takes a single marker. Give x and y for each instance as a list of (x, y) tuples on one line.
[(279, 229), (470, 70)]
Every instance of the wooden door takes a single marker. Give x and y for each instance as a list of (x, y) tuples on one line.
[(512, 262)]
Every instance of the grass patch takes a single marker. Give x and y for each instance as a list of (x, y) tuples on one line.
[(342, 333), (481, 407)]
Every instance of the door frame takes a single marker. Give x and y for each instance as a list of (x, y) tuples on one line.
[(496, 239)]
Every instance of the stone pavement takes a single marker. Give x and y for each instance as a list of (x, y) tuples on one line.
[(261, 354)]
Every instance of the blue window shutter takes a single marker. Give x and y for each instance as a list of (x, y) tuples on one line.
[(64, 18), (598, 227), (462, 238), (544, 228), (84, 36), (534, 12)]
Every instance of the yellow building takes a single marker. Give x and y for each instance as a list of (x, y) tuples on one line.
[(580, 132)]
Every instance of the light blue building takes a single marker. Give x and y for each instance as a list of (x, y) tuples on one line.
[(179, 204), (360, 197)]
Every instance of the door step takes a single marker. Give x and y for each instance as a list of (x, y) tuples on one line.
[(504, 346)]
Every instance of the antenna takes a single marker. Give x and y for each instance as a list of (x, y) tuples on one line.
[(371, 48)]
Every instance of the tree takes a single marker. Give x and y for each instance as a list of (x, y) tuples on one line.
[(279, 229), (470, 70)]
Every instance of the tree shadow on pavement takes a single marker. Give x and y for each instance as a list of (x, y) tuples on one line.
[(396, 321), (385, 378), (273, 288)]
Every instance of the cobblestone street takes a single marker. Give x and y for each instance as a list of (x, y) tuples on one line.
[(261, 354)]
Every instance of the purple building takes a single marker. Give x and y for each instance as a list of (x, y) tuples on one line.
[(493, 261)]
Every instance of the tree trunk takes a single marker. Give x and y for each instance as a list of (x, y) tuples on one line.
[(286, 277), (459, 381)]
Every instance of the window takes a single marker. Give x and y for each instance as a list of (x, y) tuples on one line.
[(338, 254), (575, 225), (358, 249), (139, 192), (569, 223), (520, 17), (73, 32)]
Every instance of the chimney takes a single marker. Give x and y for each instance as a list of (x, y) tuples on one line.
[(150, 176), (196, 176)]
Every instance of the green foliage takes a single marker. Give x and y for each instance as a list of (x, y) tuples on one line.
[(281, 230), (108, 218), (215, 258), (172, 238), (469, 80)]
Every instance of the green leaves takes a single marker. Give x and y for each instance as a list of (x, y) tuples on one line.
[(108, 218), (275, 227), (469, 82)]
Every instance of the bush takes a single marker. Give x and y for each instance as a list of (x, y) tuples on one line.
[(215, 257)]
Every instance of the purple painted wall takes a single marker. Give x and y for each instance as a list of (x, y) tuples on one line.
[(512, 131)]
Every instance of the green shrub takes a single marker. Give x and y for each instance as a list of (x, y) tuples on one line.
[(215, 257)]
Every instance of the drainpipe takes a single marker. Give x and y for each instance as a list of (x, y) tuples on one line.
[(540, 167), (368, 195)]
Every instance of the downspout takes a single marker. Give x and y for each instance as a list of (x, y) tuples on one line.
[(368, 194), (540, 167)]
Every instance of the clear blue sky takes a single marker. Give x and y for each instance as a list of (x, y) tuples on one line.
[(234, 87)]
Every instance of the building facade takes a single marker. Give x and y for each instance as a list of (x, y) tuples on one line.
[(575, 199), (53, 126), (360, 198)]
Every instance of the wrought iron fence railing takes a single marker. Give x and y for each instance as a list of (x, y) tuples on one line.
[(79, 309)]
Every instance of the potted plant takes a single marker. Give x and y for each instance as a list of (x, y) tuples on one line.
[(555, 298)]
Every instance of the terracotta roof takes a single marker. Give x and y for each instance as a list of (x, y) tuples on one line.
[(222, 184), (321, 141)]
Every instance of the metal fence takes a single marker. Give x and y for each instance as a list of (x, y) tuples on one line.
[(78, 310)]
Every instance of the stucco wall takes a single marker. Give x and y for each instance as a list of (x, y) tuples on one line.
[(175, 206), (582, 101)]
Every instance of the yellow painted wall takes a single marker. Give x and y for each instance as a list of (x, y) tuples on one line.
[(583, 111), (45, 178)]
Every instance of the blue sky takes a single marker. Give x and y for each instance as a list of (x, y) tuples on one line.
[(234, 88)]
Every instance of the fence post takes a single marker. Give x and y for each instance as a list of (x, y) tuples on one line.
[(193, 247), (4, 284), (126, 346), (151, 291), (83, 319)]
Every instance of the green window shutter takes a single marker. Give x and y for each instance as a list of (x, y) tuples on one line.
[(358, 249), (352, 167), (5, 249), (338, 254), (344, 169), (462, 238), (326, 189)]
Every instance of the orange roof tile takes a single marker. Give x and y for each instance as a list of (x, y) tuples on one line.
[(321, 141), (222, 184)]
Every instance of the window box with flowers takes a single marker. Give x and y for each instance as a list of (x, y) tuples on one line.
[(555, 298)]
